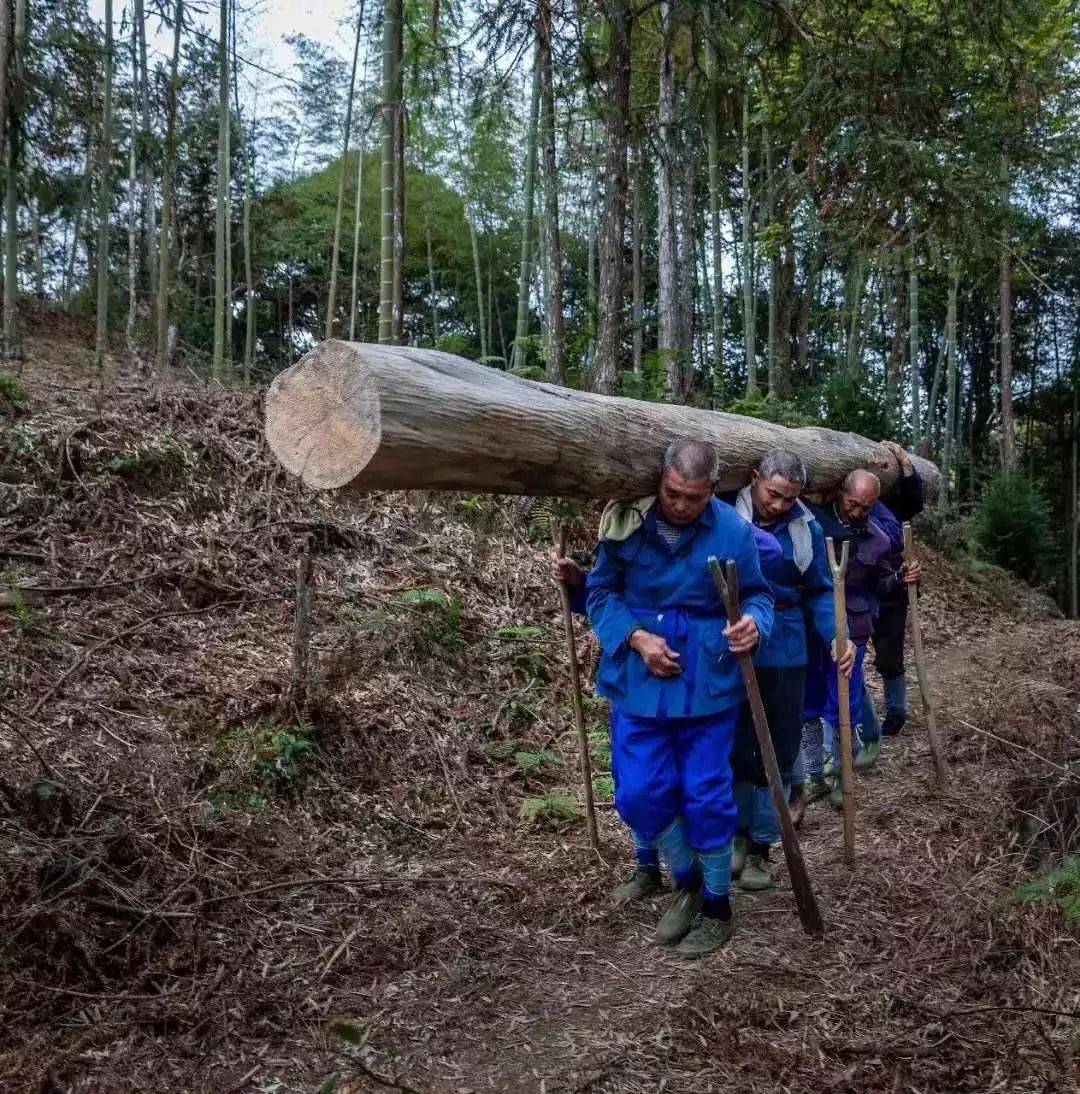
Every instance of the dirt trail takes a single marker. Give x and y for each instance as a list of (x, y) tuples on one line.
[(202, 887)]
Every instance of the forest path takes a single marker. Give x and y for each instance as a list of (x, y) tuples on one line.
[(913, 986)]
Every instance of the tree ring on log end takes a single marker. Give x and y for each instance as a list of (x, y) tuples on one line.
[(323, 417)]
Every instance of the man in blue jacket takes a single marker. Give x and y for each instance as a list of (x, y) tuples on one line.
[(870, 576), (802, 585), (670, 669)]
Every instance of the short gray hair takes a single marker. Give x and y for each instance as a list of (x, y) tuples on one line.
[(779, 461), (692, 459)]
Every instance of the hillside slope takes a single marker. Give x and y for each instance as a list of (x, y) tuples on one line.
[(211, 886)]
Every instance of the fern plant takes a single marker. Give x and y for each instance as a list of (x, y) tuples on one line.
[(556, 810)]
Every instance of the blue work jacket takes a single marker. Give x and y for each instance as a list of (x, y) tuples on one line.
[(803, 599), (669, 591)]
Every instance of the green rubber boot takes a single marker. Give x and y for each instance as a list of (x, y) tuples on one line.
[(706, 936), (868, 755), (679, 917), (816, 789), (738, 855), (643, 882), (757, 875)]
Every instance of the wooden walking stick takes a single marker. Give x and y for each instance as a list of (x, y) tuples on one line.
[(843, 688), (579, 706), (809, 914), (940, 777)]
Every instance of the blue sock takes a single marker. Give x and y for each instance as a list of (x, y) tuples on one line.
[(646, 852), (716, 872), (677, 854)]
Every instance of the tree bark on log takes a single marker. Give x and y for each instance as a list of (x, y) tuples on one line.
[(399, 418)]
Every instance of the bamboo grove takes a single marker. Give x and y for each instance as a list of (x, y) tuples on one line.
[(864, 214)]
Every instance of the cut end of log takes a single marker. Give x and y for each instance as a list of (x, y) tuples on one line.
[(323, 417)]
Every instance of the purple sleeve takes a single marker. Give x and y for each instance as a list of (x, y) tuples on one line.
[(907, 502)]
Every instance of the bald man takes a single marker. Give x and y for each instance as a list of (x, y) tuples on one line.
[(870, 577)]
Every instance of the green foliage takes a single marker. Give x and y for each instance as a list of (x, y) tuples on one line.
[(857, 407), (532, 761), (12, 392), (600, 748), (557, 810), (454, 343), (481, 511), (1011, 526), (162, 462), (604, 788), (518, 634), (769, 409), (650, 384), (267, 759), (547, 514), (529, 372), (1059, 888), (438, 621)]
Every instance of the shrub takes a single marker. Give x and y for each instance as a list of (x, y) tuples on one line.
[(1011, 526), (1060, 888), (11, 390), (768, 409), (556, 810), (438, 628), (859, 408)]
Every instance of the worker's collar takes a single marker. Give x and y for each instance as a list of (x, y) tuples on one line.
[(706, 517)]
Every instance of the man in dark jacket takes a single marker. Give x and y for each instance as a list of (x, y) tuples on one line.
[(871, 578), (889, 514)]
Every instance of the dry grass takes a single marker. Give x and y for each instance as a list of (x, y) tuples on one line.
[(182, 910)]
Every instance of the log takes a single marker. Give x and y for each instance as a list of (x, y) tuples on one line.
[(369, 417)]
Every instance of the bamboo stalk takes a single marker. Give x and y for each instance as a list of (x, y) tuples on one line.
[(940, 775), (809, 912), (847, 767), (579, 707)]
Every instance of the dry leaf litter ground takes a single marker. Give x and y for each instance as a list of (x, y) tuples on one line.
[(207, 889)]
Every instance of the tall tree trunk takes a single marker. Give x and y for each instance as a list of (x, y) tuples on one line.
[(335, 250), (610, 321), (481, 317), (895, 369), (521, 329), (768, 209), (432, 286), (101, 346), (220, 289), (14, 81), (556, 342), (1008, 440), (713, 133), (814, 261), (133, 198), (391, 15), (932, 430), (39, 259), (854, 303), (7, 68), (1074, 539), (397, 310), (749, 320), (913, 349), (637, 287), (669, 325), (168, 182), (249, 283), (149, 209), (950, 387), (353, 302), (785, 291)]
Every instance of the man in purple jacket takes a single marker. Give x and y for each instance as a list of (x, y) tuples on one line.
[(871, 577), (889, 514)]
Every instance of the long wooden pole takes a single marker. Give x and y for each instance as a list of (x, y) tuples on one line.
[(847, 767), (579, 706), (809, 913), (940, 776)]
